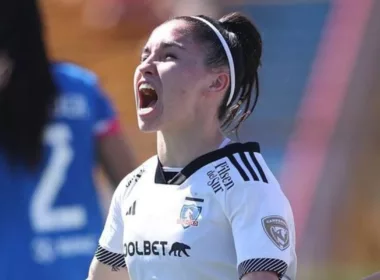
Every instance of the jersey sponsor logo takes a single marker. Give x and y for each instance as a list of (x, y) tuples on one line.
[(277, 230), (132, 210), (157, 248), (135, 178), (220, 179)]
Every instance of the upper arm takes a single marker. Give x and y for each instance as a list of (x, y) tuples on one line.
[(116, 156), (261, 275), (113, 150), (263, 228), (110, 249), (105, 116), (109, 256)]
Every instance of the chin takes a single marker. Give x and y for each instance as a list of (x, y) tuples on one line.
[(147, 127)]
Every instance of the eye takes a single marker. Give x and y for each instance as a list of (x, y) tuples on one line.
[(170, 56), (143, 57)]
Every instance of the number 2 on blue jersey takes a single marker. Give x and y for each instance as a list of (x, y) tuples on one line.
[(44, 217)]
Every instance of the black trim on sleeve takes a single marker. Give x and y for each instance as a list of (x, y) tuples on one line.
[(109, 258), (263, 264)]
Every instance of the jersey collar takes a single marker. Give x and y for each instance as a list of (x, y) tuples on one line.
[(203, 160)]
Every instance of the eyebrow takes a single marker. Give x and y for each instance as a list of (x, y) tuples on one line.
[(172, 44), (167, 44)]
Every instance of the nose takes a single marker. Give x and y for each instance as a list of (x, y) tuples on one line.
[(147, 67)]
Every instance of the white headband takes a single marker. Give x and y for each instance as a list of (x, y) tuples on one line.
[(229, 56)]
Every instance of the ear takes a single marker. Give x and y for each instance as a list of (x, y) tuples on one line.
[(220, 82)]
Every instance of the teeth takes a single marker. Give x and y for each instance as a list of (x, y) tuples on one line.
[(146, 86)]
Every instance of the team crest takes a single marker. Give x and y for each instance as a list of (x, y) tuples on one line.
[(277, 230), (189, 216)]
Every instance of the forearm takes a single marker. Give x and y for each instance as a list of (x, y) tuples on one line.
[(260, 275), (100, 271)]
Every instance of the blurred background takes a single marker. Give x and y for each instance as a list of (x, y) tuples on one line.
[(317, 118)]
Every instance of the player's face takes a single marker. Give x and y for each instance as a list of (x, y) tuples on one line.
[(171, 78)]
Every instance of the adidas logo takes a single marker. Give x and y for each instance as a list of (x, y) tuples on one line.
[(132, 210)]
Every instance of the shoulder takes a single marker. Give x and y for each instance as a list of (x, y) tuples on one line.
[(238, 164), (241, 173), (249, 164), (70, 74), (74, 71), (130, 181)]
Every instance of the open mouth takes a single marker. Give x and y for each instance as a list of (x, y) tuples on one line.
[(147, 96)]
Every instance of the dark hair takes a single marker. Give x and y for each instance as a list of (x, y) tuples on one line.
[(245, 44), (26, 98)]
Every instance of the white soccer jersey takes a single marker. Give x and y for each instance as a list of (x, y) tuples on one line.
[(223, 216)]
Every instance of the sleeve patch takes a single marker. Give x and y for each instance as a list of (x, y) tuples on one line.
[(109, 258), (277, 230), (262, 264)]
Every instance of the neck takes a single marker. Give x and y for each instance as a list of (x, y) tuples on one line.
[(179, 148)]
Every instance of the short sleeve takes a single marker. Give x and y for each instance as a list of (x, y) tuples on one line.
[(110, 249), (262, 225), (106, 120)]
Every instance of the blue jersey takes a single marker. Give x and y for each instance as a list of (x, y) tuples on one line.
[(51, 218)]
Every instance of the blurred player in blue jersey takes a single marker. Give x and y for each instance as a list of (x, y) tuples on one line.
[(55, 123)]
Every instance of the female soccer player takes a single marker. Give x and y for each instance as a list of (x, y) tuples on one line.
[(204, 207), (54, 122)]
